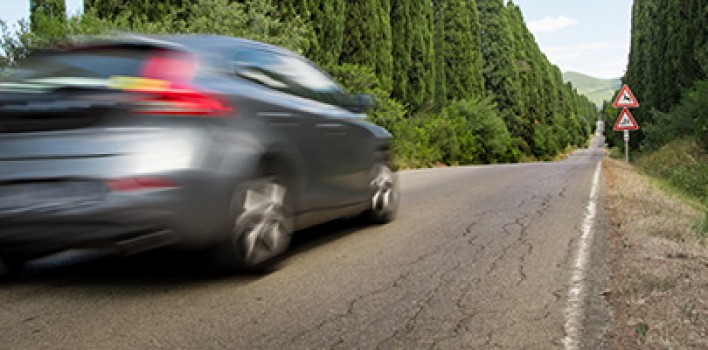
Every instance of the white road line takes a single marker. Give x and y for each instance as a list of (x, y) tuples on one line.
[(574, 307)]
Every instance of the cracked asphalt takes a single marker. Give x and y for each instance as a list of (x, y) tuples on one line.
[(479, 258)]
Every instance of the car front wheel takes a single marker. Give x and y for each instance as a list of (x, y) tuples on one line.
[(385, 195)]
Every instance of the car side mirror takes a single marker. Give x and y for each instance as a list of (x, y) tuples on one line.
[(361, 103)]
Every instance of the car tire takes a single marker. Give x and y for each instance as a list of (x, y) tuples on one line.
[(385, 195), (260, 224)]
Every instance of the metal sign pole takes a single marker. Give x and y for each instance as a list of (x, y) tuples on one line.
[(626, 146)]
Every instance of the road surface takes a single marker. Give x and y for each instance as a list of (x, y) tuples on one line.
[(480, 257)]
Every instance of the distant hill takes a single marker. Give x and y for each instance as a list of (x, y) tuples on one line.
[(597, 90)]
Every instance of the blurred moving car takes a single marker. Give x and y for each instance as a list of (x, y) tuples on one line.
[(201, 142)]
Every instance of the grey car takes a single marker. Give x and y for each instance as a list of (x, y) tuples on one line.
[(199, 142)]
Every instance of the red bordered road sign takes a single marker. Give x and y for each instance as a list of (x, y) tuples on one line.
[(625, 99), (626, 121)]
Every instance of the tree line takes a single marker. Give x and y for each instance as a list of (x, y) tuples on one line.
[(667, 71), (457, 81)]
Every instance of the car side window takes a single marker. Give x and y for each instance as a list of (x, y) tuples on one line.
[(256, 65), (287, 73)]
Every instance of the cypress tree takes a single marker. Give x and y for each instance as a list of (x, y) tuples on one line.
[(500, 75), (529, 88), (668, 55), (459, 73), (402, 26), (328, 18), (412, 52), (476, 48), (368, 38)]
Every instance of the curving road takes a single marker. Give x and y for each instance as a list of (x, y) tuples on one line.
[(479, 257)]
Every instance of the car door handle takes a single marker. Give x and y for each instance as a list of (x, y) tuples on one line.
[(330, 126), (331, 129), (280, 119)]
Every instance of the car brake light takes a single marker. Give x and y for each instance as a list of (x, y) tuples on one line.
[(164, 88), (177, 101), (140, 184)]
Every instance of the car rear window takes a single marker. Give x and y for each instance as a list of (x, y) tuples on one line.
[(82, 63)]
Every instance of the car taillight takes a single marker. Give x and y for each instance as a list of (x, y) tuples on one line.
[(164, 87), (144, 183), (180, 102)]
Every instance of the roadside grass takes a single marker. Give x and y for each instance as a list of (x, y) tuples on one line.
[(659, 284), (681, 166)]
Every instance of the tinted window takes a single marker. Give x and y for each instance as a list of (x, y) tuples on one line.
[(101, 63), (287, 73)]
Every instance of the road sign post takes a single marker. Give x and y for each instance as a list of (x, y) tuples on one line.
[(625, 122), (626, 146)]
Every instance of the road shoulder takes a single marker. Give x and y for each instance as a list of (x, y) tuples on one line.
[(659, 284)]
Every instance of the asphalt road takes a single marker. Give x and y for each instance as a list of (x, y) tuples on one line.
[(480, 257)]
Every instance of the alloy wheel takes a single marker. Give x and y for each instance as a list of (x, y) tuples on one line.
[(262, 230)]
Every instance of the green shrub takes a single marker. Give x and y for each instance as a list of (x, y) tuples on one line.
[(486, 137), (683, 164), (545, 143)]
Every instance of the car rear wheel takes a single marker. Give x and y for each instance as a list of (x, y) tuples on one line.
[(260, 227), (385, 195)]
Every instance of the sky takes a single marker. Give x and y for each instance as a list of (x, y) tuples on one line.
[(13, 10), (590, 37)]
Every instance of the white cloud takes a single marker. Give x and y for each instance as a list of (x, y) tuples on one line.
[(551, 24)]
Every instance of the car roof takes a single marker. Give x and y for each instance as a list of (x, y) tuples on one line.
[(221, 40), (192, 42)]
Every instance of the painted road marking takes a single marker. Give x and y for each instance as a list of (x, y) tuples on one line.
[(574, 308)]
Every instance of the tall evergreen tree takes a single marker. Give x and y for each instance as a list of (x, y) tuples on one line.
[(459, 66), (402, 26), (500, 76), (328, 20), (668, 54), (529, 87), (368, 38), (412, 51), (475, 45)]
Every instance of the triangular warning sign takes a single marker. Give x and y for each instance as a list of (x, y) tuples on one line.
[(626, 121), (625, 98)]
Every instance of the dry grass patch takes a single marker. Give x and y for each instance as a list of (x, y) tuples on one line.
[(659, 285)]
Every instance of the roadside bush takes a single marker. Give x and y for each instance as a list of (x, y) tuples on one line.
[(361, 79), (683, 164), (486, 137), (545, 145)]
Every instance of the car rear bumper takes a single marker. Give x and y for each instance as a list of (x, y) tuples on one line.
[(190, 215), (91, 211)]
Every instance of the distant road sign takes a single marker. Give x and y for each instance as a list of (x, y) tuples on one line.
[(625, 99), (626, 121)]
